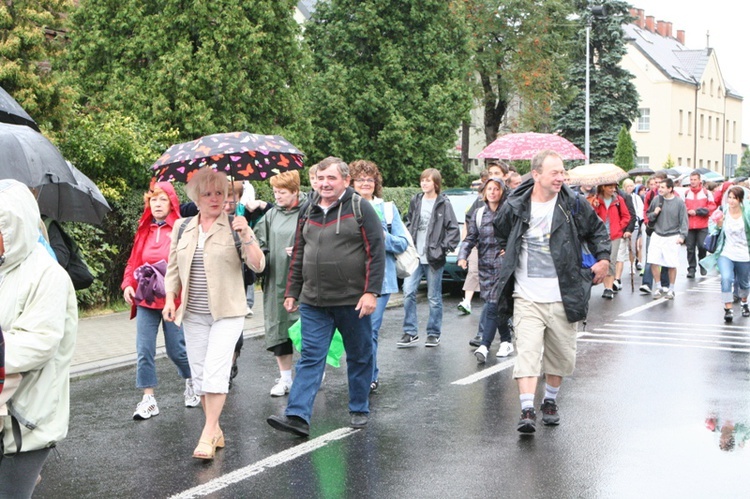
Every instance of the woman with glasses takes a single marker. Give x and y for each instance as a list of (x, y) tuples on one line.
[(369, 184)]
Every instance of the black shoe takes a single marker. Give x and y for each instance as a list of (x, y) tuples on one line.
[(407, 340), (374, 386), (290, 424), (549, 413), (527, 423), (691, 274), (729, 315), (359, 420), (432, 341), (476, 340), (745, 310), (608, 294)]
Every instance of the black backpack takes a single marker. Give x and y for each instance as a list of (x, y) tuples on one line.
[(69, 255)]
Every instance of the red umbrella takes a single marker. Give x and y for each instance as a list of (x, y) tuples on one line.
[(526, 145), (248, 156)]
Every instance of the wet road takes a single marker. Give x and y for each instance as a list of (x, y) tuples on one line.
[(634, 414)]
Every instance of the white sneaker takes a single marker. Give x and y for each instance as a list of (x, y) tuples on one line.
[(506, 348), (481, 354), (249, 312), (146, 408), (465, 307), (281, 388), (191, 399)]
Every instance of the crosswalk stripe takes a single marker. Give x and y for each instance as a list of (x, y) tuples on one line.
[(484, 373), (662, 337), (688, 325), (673, 345), (673, 330)]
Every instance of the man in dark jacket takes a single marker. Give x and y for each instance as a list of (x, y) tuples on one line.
[(336, 273), (542, 283)]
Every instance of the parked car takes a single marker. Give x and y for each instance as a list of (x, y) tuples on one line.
[(461, 200)]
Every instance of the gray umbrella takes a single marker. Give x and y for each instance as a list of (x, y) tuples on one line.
[(79, 202), (27, 156), (12, 112)]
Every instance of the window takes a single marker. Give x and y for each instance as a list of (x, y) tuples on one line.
[(703, 87), (734, 131), (690, 162), (690, 123), (680, 118), (642, 161), (711, 88), (709, 128), (644, 119), (700, 163), (702, 124), (726, 131), (679, 161), (716, 166), (718, 130)]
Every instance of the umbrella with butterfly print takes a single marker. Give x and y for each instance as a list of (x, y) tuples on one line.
[(242, 155)]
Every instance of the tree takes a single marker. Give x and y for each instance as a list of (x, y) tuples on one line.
[(390, 83), (521, 50), (197, 67), (613, 96), (625, 150), (669, 163), (31, 38)]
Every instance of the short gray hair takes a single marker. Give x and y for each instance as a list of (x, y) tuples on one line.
[(538, 159), (333, 161)]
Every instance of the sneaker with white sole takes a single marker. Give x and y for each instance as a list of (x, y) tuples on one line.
[(464, 307), (146, 408), (281, 388), (191, 399), (481, 354), (506, 348), (658, 293), (669, 295), (432, 341), (407, 340), (645, 289)]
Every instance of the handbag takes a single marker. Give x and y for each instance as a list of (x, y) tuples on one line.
[(408, 261), (711, 241)]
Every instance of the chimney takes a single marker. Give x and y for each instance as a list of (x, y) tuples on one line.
[(681, 36), (641, 18), (669, 29), (661, 28), (650, 23)]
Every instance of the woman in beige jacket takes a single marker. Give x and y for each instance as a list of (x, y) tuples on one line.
[(205, 269)]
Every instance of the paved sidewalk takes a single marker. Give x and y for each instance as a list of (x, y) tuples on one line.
[(108, 341)]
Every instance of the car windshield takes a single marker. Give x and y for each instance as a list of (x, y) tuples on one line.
[(461, 201)]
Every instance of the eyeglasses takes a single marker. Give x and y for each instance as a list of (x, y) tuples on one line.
[(365, 180)]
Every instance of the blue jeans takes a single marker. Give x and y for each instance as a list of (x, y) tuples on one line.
[(147, 322), (318, 325), (377, 320), (648, 276), (434, 296), (490, 322), (730, 269)]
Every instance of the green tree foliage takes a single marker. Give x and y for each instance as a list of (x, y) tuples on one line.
[(197, 67), (625, 150), (30, 40), (614, 98), (744, 169), (390, 83), (669, 163), (521, 50)]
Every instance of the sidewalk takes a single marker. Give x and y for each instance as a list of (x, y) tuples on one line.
[(108, 341)]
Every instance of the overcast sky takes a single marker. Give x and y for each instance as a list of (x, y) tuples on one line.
[(728, 23)]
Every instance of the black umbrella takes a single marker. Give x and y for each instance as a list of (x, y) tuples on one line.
[(670, 172), (12, 112), (640, 170), (79, 202), (27, 156)]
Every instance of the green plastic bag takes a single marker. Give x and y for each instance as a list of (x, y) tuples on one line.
[(334, 352)]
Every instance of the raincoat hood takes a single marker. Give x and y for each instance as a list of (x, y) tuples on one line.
[(174, 208), (19, 222)]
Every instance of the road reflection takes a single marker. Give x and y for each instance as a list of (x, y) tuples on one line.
[(731, 436)]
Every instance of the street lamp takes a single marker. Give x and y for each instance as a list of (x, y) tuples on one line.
[(598, 11)]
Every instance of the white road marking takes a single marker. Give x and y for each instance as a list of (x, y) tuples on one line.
[(649, 343), (689, 325), (485, 373), (637, 310), (270, 462), (657, 336)]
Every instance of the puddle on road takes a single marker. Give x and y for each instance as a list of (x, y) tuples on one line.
[(730, 435)]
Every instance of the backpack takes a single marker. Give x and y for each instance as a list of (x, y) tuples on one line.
[(248, 276), (75, 266), (356, 207), (587, 258)]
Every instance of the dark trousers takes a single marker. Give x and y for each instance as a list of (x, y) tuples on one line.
[(18, 473), (491, 323), (694, 241)]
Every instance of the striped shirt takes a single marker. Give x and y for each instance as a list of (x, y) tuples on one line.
[(198, 284)]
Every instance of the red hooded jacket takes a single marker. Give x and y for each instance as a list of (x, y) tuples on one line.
[(618, 214), (152, 242), (697, 200)]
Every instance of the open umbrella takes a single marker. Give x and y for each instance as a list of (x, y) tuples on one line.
[(640, 170), (243, 155), (597, 174), (670, 172), (526, 145), (12, 112), (27, 156), (78, 202)]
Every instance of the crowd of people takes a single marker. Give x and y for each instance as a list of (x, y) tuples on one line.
[(328, 259)]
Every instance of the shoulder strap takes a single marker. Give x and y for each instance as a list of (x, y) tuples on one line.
[(182, 227), (357, 208), (235, 236), (388, 213), (478, 214)]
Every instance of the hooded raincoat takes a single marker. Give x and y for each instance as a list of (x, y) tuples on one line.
[(39, 318)]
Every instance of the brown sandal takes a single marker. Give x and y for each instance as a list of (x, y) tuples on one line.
[(204, 450)]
